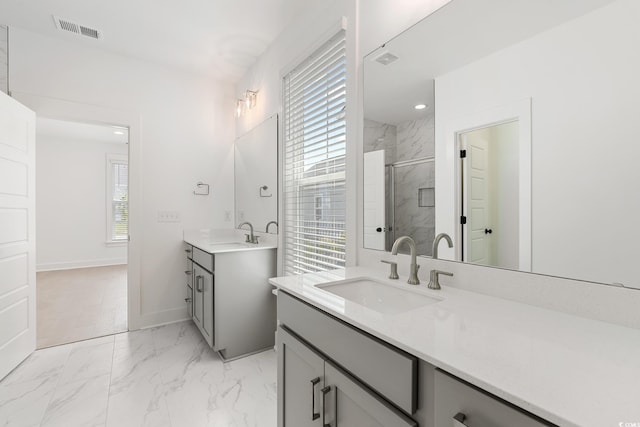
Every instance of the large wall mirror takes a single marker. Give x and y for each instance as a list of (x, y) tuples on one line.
[(256, 176), (510, 125)]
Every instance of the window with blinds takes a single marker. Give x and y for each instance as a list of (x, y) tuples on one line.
[(117, 199), (314, 129)]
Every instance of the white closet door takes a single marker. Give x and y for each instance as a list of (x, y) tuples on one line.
[(17, 234)]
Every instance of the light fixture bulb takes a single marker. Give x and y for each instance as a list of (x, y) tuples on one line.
[(420, 106)]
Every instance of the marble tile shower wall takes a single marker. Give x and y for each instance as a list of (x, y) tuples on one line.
[(416, 138), (4, 59), (415, 221), (407, 141), (378, 136)]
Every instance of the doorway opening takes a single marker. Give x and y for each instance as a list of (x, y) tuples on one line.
[(82, 219), (489, 195)]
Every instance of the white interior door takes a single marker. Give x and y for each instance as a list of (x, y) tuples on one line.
[(476, 199), (374, 200), (17, 234)]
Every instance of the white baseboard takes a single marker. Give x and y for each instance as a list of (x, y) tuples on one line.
[(80, 264)]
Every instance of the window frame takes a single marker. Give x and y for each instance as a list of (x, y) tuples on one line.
[(294, 181)]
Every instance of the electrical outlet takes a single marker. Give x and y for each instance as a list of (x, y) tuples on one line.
[(227, 215), (241, 215), (168, 216)]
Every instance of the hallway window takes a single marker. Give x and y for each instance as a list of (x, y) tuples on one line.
[(117, 199), (314, 129)]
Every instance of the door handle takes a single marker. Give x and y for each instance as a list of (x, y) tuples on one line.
[(458, 420), (198, 279), (314, 414), (325, 391), (379, 229), (488, 231)]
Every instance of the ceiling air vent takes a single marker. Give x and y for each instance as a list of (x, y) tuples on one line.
[(68, 25), (385, 58)]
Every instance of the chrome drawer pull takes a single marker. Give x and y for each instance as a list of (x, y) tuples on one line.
[(314, 414), (325, 391), (458, 420), (188, 251), (188, 272), (187, 300), (198, 279)]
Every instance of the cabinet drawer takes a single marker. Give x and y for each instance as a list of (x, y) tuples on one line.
[(475, 408), (389, 371), (203, 258)]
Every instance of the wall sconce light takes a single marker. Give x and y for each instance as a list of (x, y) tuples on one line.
[(248, 102)]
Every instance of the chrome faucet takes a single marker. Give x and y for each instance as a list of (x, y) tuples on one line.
[(434, 275), (266, 230), (251, 238), (413, 270), (436, 242)]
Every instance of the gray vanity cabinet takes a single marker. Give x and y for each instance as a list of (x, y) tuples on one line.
[(315, 392), (230, 300)]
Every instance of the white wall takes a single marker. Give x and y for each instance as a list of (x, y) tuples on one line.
[(71, 204), (185, 136)]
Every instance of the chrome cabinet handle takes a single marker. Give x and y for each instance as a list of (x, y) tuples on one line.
[(458, 420), (314, 414), (188, 272), (187, 300), (198, 279), (325, 391), (188, 251)]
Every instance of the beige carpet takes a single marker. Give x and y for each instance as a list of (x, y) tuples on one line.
[(74, 305)]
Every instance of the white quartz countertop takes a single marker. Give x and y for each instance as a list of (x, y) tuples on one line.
[(568, 370), (223, 241)]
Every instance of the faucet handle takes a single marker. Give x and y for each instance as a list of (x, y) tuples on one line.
[(446, 273), (394, 269), (247, 240), (256, 239), (434, 283)]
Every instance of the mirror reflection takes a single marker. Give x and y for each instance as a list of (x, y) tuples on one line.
[(511, 129), (256, 176)]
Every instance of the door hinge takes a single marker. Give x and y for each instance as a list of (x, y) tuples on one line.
[(463, 220), (463, 154)]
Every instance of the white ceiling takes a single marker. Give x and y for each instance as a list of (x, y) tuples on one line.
[(74, 131), (459, 33), (218, 38)]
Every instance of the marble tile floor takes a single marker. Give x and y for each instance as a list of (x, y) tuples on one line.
[(165, 376), (79, 304)]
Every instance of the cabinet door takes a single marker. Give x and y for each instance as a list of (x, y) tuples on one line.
[(198, 307), (300, 381), (203, 302), (349, 404), (208, 282)]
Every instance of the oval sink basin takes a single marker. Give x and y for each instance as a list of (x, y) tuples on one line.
[(378, 296)]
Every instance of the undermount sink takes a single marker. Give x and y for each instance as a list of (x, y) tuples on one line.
[(378, 296)]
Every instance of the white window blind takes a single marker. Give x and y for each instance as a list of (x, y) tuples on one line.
[(314, 129), (117, 199)]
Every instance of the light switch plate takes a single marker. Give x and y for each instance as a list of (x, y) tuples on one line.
[(168, 216)]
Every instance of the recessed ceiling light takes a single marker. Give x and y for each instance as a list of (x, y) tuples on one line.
[(118, 132), (420, 107)]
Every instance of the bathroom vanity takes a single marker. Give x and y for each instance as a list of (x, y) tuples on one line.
[(451, 358), (227, 292)]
